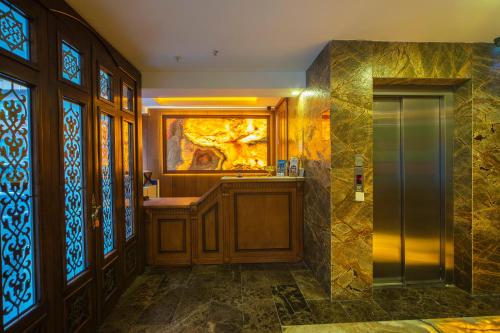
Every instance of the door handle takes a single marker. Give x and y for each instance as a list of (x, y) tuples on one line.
[(94, 216)]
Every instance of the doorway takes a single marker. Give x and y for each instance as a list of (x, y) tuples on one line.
[(412, 181)]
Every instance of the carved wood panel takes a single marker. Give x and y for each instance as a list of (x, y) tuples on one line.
[(78, 309), (172, 235), (210, 229), (262, 221)]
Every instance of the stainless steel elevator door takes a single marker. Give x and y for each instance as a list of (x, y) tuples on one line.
[(422, 188), (387, 249), (407, 189)]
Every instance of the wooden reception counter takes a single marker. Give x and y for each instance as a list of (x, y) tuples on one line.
[(240, 220)]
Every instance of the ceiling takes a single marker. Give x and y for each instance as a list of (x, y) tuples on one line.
[(274, 35)]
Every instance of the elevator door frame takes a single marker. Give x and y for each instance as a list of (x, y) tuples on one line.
[(446, 167)]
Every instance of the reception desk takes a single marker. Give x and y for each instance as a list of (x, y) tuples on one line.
[(240, 220)]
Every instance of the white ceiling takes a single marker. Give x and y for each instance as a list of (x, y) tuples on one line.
[(274, 35)]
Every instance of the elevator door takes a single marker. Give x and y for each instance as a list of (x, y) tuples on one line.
[(407, 190)]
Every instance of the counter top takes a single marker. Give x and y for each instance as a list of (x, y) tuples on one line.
[(262, 179), (178, 202)]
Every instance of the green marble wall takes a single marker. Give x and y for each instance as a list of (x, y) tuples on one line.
[(486, 168), (307, 141), (473, 69), (351, 133)]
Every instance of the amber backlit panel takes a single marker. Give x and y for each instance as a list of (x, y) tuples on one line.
[(216, 143)]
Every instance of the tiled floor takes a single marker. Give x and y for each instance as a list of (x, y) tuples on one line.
[(448, 325), (264, 297)]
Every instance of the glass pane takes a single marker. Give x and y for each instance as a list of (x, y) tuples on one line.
[(14, 31), (127, 98), (73, 189), (104, 85), (16, 203), (128, 178), (71, 63), (108, 228)]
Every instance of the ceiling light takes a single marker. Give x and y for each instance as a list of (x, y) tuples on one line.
[(168, 100), (295, 93)]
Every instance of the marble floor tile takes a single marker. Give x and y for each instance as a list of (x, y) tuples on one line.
[(227, 288), (264, 266), (364, 310), (492, 302), (279, 277), (411, 303), (163, 307), (260, 316), (466, 324), (177, 277), (291, 306), (205, 269), (260, 298), (255, 284), (309, 286), (407, 326), (224, 318), (298, 266), (325, 311), (150, 329)]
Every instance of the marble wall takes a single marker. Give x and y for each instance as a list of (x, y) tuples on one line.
[(486, 168), (354, 67), (351, 133), (308, 139)]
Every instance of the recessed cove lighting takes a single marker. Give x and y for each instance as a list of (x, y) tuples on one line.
[(167, 100)]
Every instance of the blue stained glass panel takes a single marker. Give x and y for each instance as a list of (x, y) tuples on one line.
[(14, 31), (16, 203), (73, 189), (71, 64), (105, 85), (128, 178), (108, 228)]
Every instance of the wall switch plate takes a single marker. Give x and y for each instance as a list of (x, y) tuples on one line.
[(359, 196)]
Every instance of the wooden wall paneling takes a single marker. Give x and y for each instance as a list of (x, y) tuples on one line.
[(209, 228), (282, 129), (237, 221), (170, 237), (263, 222)]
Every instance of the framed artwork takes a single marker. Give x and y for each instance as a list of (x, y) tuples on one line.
[(216, 143)]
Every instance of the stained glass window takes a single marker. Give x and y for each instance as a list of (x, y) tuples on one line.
[(16, 203), (128, 177), (108, 227), (14, 31), (127, 98), (105, 85), (71, 63), (73, 189)]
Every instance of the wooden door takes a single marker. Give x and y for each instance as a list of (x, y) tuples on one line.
[(70, 57), (116, 178), (107, 163), (58, 274), (23, 130)]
